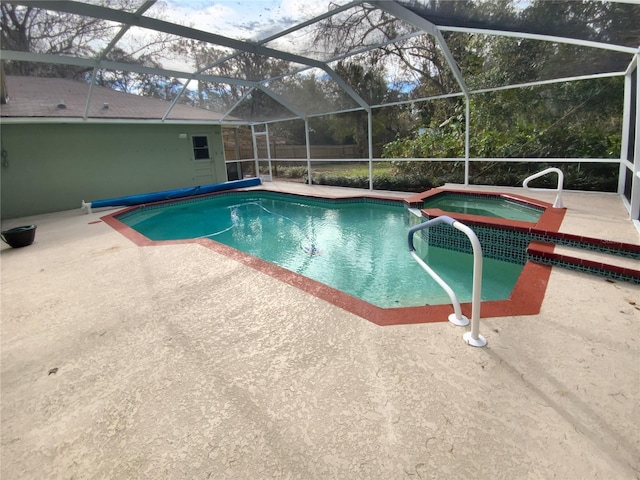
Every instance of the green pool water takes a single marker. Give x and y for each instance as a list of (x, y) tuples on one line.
[(485, 206), (358, 248)]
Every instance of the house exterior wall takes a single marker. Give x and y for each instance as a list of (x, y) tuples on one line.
[(53, 167)]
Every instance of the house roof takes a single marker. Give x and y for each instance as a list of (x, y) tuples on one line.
[(40, 97)]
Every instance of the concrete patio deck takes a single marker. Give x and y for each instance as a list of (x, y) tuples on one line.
[(174, 361)]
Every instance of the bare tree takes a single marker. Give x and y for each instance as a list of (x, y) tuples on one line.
[(34, 29)]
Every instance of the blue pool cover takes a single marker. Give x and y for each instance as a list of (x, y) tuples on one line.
[(177, 193)]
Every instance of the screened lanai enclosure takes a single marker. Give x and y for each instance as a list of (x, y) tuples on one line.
[(411, 94)]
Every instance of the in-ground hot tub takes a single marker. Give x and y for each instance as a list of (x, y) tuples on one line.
[(505, 223), (494, 207), (486, 205)]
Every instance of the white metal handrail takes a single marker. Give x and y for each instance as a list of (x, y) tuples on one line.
[(473, 337), (254, 137), (558, 201)]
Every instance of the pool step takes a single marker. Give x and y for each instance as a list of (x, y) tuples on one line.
[(590, 257)]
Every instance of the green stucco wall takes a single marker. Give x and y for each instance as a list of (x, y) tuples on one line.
[(53, 167)]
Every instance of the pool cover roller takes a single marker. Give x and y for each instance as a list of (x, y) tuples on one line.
[(170, 194)]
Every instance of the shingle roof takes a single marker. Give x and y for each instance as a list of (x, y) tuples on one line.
[(39, 97)]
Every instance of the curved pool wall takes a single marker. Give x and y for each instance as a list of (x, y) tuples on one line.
[(526, 297)]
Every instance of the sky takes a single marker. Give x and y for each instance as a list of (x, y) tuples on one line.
[(243, 19), (251, 20)]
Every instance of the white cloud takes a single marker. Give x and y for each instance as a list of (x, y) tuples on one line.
[(244, 19), (304, 9), (202, 15)]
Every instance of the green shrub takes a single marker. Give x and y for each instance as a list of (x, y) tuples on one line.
[(292, 172), (402, 183)]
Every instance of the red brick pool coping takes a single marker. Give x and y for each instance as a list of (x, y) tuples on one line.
[(526, 297)]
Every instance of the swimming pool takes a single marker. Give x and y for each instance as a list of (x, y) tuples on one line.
[(357, 246)]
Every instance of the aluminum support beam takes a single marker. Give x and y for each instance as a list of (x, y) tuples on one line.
[(127, 67), (132, 19), (308, 145), (417, 21), (370, 145), (537, 36), (282, 101), (143, 8)]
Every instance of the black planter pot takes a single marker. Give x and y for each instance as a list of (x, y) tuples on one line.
[(19, 236)]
